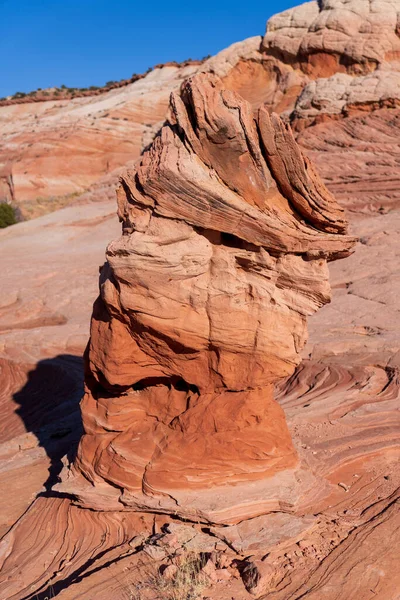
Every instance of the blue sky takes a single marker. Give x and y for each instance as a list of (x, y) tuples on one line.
[(80, 43)]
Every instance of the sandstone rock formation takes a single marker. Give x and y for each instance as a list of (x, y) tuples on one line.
[(227, 230), (58, 149), (341, 403), (318, 61), (226, 233), (62, 147), (336, 35), (339, 61)]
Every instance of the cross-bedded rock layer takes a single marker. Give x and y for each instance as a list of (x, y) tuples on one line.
[(227, 230), (341, 406)]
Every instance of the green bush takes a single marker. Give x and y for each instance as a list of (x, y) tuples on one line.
[(7, 215)]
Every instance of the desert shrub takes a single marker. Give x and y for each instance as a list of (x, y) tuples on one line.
[(7, 215)]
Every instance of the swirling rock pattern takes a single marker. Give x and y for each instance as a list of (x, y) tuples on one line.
[(226, 233), (340, 540)]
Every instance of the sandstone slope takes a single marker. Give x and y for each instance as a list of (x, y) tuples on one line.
[(317, 62), (43, 333), (51, 152)]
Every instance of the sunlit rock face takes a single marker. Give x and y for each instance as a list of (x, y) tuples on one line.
[(337, 35), (203, 303)]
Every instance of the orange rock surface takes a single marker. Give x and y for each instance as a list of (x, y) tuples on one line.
[(203, 306), (327, 527), (56, 150)]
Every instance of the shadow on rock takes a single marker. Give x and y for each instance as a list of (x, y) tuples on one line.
[(49, 406)]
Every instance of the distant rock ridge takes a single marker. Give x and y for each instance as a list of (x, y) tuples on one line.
[(66, 93), (358, 35), (316, 62)]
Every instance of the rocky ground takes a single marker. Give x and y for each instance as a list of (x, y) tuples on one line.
[(341, 404)]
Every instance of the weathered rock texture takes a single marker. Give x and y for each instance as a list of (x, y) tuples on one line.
[(337, 64), (57, 150), (227, 230), (341, 403), (46, 298), (355, 35), (61, 147), (318, 61)]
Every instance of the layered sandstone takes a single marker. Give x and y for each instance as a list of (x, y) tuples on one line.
[(61, 147), (346, 109), (226, 233), (341, 404), (336, 35), (56, 150), (317, 61), (227, 230)]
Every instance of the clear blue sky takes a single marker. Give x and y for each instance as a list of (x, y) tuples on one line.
[(88, 42)]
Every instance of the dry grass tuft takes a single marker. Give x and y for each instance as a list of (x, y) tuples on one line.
[(188, 583)]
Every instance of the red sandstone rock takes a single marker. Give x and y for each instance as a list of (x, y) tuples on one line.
[(203, 306), (341, 406), (357, 157), (57, 150), (169, 572)]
